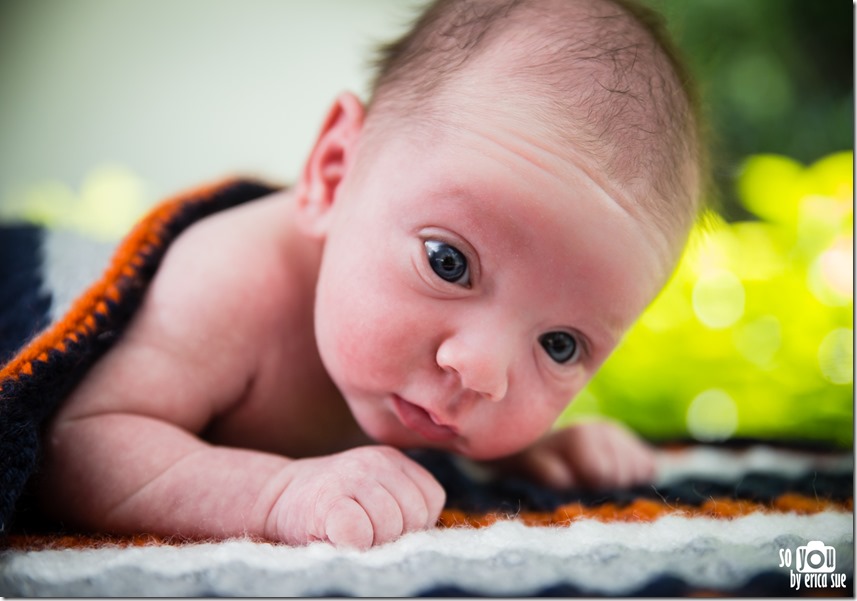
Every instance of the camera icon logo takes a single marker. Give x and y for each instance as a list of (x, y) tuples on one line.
[(815, 558)]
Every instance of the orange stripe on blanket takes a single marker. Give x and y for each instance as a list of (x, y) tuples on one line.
[(646, 510), (46, 542), (79, 320), (641, 510)]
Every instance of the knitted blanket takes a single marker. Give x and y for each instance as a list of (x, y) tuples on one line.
[(752, 521), (745, 520)]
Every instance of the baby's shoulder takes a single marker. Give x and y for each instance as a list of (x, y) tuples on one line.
[(235, 266)]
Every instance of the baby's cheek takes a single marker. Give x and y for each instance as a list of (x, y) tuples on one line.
[(515, 438), (518, 425), (371, 338)]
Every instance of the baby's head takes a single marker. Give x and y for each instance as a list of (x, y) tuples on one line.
[(516, 194), (600, 77)]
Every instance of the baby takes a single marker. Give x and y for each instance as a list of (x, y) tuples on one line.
[(452, 266)]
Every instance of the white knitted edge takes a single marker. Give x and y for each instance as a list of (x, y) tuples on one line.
[(721, 464), (730, 464)]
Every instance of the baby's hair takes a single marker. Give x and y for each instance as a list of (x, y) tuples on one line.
[(604, 74)]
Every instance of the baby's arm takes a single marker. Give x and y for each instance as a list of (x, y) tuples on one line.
[(132, 473), (123, 454), (591, 454)]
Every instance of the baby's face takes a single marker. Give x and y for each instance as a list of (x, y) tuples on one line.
[(472, 284)]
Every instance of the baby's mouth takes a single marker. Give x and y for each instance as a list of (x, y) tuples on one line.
[(421, 421)]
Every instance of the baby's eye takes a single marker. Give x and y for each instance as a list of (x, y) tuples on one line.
[(448, 262), (560, 346)]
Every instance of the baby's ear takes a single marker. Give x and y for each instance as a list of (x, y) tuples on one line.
[(331, 157)]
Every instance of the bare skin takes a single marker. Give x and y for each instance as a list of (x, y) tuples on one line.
[(233, 405)]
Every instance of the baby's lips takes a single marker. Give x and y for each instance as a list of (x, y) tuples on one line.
[(438, 421), (421, 421)]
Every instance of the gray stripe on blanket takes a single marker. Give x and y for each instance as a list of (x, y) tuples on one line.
[(72, 262)]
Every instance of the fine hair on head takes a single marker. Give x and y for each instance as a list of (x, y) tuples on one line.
[(600, 74)]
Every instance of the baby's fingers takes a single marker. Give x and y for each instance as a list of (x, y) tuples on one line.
[(348, 525), (390, 511), (642, 469), (385, 510), (427, 500), (418, 496), (631, 461), (547, 466)]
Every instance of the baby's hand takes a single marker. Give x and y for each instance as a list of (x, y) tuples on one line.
[(590, 455), (357, 498)]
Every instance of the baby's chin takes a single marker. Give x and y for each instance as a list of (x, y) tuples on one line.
[(460, 446), (396, 436), (384, 430)]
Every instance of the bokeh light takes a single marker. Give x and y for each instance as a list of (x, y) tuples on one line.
[(718, 299), (712, 415), (111, 198), (836, 356), (758, 341)]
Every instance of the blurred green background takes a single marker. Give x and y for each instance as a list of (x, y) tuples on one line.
[(108, 105)]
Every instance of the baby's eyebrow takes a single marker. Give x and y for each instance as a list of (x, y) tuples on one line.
[(610, 334), (516, 234)]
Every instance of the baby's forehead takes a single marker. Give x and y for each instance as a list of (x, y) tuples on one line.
[(617, 102), (612, 131)]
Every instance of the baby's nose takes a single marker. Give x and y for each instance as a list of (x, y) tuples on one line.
[(482, 368)]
